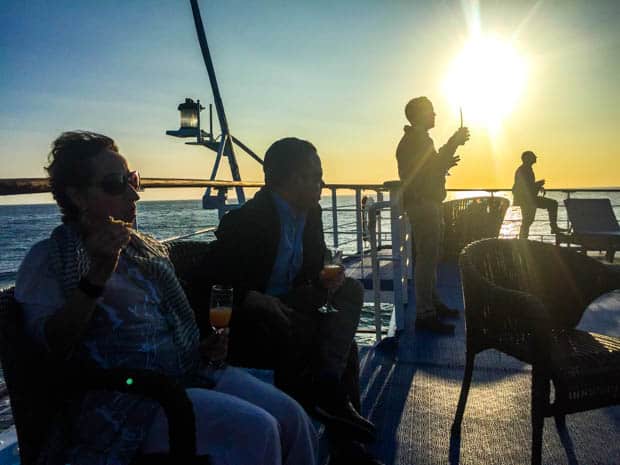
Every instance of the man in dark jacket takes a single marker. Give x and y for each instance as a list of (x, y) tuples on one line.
[(271, 250), (525, 193), (422, 171)]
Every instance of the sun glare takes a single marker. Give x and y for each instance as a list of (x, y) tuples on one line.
[(486, 81)]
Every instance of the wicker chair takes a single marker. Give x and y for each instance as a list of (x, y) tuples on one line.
[(471, 219), (525, 299), (40, 387)]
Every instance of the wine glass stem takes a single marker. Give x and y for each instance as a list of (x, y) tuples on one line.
[(330, 294)]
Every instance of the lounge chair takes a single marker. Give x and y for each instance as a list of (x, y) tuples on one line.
[(593, 226), (471, 219), (525, 299), (41, 387)]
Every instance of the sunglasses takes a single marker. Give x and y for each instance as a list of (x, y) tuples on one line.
[(118, 183)]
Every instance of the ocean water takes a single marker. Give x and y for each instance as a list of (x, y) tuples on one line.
[(24, 225)]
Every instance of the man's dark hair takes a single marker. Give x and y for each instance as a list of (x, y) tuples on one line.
[(284, 157), (415, 107), (528, 156), (70, 165)]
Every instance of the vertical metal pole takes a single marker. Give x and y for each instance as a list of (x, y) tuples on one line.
[(334, 218), (376, 277), (199, 132), (358, 220), (379, 221), (206, 56), (234, 169), (211, 120), (407, 262), (396, 218), (216, 164), (219, 105)]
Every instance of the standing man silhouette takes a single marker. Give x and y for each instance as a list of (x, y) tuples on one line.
[(422, 171), (525, 192)]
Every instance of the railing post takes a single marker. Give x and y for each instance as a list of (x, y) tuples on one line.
[(358, 220), (398, 250), (334, 218), (379, 228), (376, 277)]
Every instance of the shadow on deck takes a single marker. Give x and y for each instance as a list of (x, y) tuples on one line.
[(411, 388)]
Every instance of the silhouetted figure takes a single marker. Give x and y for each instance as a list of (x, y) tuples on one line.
[(525, 192), (368, 222), (422, 171), (272, 251)]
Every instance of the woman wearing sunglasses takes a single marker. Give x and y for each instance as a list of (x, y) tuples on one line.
[(99, 291)]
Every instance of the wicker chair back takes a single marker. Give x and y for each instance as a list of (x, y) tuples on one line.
[(469, 220), (564, 281)]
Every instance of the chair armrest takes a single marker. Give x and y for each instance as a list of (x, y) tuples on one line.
[(161, 388)]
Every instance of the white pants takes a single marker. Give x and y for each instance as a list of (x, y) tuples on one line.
[(426, 220), (244, 421)]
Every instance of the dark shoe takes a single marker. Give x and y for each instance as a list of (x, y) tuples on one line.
[(557, 230), (443, 311), (352, 453), (343, 420), (434, 325)]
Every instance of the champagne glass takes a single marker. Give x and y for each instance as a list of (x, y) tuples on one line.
[(220, 309), (332, 267)]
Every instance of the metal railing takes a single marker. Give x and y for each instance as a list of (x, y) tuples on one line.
[(400, 255), (192, 234), (358, 231)]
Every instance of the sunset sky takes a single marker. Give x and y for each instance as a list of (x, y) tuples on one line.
[(337, 73)]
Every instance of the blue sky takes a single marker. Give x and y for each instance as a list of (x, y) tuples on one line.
[(337, 73)]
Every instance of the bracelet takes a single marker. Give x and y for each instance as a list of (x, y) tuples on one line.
[(90, 289)]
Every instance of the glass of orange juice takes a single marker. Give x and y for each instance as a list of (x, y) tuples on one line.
[(220, 309), (332, 267)]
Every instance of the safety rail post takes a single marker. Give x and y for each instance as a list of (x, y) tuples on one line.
[(398, 249), (334, 218), (376, 278), (358, 220), (379, 221), (374, 260)]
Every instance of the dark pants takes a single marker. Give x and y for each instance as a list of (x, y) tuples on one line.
[(318, 344), (528, 213)]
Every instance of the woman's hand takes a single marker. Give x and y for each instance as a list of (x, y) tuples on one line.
[(104, 241), (214, 347)]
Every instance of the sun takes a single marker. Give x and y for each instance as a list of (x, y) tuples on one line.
[(486, 80)]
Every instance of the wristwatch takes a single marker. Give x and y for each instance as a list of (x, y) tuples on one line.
[(90, 289)]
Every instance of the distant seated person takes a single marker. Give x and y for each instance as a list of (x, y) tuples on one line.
[(98, 291), (525, 192), (272, 251)]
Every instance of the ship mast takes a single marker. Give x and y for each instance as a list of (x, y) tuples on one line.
[(190, 127)]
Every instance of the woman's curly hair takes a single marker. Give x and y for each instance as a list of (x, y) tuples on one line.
[(70, 165)]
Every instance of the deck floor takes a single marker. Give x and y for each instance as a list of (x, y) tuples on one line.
[(411, 389)]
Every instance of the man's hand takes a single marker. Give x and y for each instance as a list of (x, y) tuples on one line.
[(104, 241), (453, 161), (274, 311), (214, 347), (332, 281), (460, 136)]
